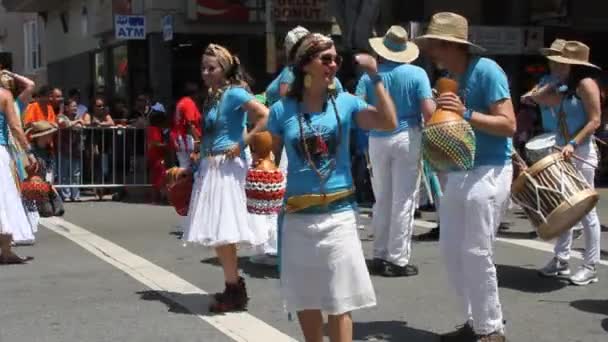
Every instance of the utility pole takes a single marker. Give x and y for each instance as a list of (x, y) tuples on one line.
[(271, 50)]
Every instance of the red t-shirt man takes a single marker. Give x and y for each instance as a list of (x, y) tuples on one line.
[(186, 129)]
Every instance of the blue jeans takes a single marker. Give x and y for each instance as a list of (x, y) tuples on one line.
[(70, 175)]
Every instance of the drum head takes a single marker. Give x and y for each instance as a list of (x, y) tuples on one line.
[(541, 142), (567, 214)]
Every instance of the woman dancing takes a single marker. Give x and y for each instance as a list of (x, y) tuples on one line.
[(322, 263), (218, 211)]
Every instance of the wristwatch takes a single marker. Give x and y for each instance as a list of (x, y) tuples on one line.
[(375, 79), (573, 143), (468, 113)]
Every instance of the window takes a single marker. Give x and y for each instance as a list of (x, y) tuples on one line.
[(33, 57)]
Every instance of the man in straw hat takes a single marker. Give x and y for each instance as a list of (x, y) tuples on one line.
[(474, 201), (578, 119), (395, 155)]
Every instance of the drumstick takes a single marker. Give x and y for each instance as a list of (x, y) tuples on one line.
[(576, 157), (519, 160), (600, 141)]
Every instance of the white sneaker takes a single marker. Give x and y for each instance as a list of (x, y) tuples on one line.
[(585, 275), (555, 268)]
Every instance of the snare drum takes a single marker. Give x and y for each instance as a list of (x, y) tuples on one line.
[(554, 195), (540, 146)]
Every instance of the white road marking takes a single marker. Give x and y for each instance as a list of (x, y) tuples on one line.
[(543, 246), (238, 326)]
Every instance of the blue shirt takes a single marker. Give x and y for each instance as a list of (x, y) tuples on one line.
[(321, 134), (484, 84), (408, 85), (576, 118), (273, 92), (548, 113), (225, 121), (3, 130)]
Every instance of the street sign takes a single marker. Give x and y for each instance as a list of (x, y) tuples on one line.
[(167, 25), (130, 27)]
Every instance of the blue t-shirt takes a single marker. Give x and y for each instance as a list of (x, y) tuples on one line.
[(408, 85), (225, 121), (3, 130), (576, 118), (484, 84), (321, 135), (273, 92), (548, 113)]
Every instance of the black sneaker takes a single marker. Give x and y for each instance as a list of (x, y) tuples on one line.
[(392, 270), (375, 266), (431, 235), (464, 333)]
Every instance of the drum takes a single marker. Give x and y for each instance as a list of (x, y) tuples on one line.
[(540, 146), (35, 189), (554, 195), (179, 191), (265, 190)]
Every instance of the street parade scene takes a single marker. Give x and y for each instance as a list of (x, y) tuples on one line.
[(337, 170)]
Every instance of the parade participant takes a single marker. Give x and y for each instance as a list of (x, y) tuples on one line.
[(21, 87), (578, 118), (12, 213), (157, 148), (186, 125), (474, 201), (218, 212), (322, 263), (41, 109), (395, 156)]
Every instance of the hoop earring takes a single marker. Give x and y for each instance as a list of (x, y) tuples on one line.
[(307, 81)]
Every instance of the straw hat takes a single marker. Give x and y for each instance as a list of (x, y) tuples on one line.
[(39, 129), (394, 46), (575, 53), (293, 36), (450, 27), (555, 48)]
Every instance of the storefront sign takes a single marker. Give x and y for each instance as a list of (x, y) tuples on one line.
[(220, 10), (167, 25), (508, 40), (301, 10), (130, 27)]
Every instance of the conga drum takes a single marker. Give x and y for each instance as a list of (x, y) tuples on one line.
[(554, 195)]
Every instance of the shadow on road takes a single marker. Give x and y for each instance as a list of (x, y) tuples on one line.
[(518, 235), (593, 306), (390, 331), (527, 280), (252, 270), (188, 304)]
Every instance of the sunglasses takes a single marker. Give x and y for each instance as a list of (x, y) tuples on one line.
[(327, 58)]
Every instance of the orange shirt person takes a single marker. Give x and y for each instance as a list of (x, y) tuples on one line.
[(41, 110)]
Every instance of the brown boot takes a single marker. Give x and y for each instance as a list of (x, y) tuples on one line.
[(493, 337), (234, 298)]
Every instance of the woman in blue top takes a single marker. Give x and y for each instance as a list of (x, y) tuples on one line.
[(218, 212), (474, 201), (322, 264), (578, 119), (12, 213)]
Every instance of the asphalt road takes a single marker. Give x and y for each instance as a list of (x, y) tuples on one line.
[(127, 277)]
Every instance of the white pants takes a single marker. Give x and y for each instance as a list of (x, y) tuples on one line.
[(472, 207), (591, 223), (396, 167)]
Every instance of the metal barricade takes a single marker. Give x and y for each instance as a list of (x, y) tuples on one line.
[(101, 157)]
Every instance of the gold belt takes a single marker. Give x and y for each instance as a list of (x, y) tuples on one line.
[(301, 202)]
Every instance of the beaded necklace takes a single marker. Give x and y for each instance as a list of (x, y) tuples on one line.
[(320, 144)]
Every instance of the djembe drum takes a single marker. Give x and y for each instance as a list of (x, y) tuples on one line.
[(179, 190), (554, 195), (265, 184), (448, 141)]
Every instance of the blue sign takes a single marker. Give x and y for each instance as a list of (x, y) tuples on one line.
[(131, 27), (167, 25)]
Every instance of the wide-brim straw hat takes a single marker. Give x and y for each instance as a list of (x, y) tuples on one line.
[(574, 53), (555, 49), (395, 46), (450, 27), (39, 129)]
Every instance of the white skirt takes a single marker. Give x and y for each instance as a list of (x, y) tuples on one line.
[(322, 264), (265, 225), (12, 214), (218, 207)]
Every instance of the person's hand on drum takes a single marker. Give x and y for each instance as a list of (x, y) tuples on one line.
[(568, 151), (451, 102)]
